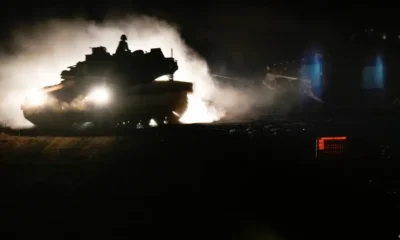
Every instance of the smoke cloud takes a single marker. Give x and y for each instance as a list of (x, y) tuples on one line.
[(45, 49)]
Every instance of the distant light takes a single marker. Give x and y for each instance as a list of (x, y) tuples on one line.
[(384, 36)]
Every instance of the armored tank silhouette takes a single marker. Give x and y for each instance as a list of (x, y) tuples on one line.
[(112, 89), (291, 93)]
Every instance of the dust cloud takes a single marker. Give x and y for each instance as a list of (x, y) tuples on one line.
[(47, 48)]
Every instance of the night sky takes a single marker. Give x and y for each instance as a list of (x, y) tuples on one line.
[(235, 39)]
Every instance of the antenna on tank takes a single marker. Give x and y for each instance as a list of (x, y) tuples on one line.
[(171, 76)]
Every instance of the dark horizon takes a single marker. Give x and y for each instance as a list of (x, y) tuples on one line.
[(241, 40)]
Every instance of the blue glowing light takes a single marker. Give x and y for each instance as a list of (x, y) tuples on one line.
[(373, 76), (312, 70)]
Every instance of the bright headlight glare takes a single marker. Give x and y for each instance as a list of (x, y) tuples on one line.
[(36, 98), (99, 95)]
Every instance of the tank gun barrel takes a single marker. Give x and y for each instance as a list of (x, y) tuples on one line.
[(58, 86), (53, 88), (283, 76)]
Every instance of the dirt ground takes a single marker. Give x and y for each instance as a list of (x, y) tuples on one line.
[(15, 149), (197, 181)]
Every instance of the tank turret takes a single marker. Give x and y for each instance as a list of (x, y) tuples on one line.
[(132, 67)]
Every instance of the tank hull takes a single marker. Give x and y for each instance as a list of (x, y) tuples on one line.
[(162, 101)]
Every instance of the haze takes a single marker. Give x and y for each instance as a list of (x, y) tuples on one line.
[(45, 49)]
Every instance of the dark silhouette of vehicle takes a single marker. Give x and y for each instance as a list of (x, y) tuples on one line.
[(110, 89)]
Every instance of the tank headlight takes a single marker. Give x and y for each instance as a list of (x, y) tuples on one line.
[(36, 98), (99, 95)]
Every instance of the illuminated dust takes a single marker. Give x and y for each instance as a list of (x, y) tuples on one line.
[(45, 49)]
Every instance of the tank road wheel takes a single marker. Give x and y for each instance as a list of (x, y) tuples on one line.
[(147, 122)]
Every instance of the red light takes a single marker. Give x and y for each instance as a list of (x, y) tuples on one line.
[(337, 146), (331, 146)]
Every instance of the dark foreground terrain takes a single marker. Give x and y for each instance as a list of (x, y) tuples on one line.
[(260, 181)]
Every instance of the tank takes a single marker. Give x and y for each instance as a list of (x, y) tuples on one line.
[(292, 94), (108, 89)]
